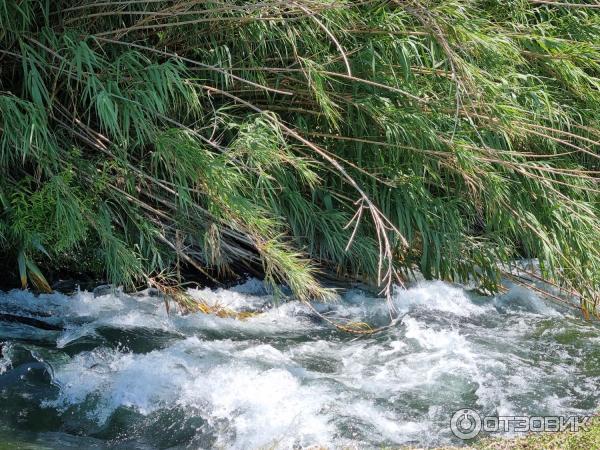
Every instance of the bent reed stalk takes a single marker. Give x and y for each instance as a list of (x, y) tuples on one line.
[(364, 139)]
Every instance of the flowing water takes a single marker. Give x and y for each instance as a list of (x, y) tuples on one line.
[(119, 372)]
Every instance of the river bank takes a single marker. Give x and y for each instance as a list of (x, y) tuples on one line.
[(586, 439)]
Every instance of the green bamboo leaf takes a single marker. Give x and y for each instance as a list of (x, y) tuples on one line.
[(37, 278), (38, 246), (22, 269)]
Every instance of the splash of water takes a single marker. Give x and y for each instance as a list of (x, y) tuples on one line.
[(125, 372)]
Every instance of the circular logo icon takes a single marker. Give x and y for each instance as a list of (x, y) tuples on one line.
[(465, 424)]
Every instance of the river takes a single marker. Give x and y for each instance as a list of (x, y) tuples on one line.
[(119, 372)]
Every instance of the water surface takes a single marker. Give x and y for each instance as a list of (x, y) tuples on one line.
[(119, 372)]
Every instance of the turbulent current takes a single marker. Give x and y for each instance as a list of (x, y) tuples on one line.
[(117, 371)]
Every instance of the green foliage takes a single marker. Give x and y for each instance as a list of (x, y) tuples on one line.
[(367, 139)]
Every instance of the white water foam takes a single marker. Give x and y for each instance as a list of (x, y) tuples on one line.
[(284, 379)]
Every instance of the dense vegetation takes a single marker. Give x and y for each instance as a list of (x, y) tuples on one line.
[(358, 138)]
